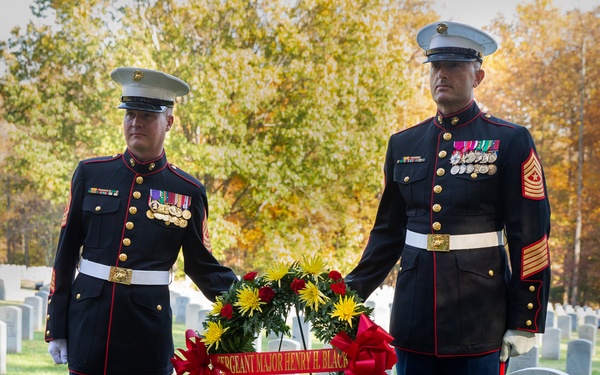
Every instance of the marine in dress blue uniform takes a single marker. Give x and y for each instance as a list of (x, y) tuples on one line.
[(465, 209), (122, 229)]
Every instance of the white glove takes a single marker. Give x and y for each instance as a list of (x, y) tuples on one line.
[(58, 350), (515, 343)]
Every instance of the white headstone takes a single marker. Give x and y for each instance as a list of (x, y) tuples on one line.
[(27, 321), (550, 319), (258, 343), (579, 357), (301, 331), (564, 324), (591, 319), (44, 296), (191, 317), (2, 348), (574, 323), (523, 361), (286, 345), (181, 303), (381, 314), (538, 371), (36, 302), (551, 344), (11, 276), (588, 332), (202, 315), (11, 315)]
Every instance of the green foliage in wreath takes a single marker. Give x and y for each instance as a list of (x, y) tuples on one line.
[(263, 302)]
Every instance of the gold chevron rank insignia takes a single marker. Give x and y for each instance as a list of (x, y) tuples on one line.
[(535, 258), (532, 181)]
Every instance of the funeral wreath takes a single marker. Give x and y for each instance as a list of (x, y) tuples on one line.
[(263, 302)]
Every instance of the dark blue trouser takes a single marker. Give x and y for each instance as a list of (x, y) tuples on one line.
[(422, 364)]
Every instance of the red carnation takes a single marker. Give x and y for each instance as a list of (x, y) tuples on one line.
[(297, 285), (266, 293), (250, 276), (227, 311), (335, 275), (339, 288)]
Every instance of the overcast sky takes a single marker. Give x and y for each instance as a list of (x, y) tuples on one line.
[(474, 12)]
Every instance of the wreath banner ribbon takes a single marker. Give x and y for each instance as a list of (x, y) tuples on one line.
[(196, 361), (370, 353), (285, 362)]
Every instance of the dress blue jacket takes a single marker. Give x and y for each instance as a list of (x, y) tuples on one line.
[(112, 328), (463, 173)]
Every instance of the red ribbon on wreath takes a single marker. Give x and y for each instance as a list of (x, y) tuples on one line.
[(370, 353), (196, 360)]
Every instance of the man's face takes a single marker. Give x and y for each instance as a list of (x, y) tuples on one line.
[(145, 132), (452, 82)]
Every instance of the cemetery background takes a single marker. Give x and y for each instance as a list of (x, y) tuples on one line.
[(29, 355)]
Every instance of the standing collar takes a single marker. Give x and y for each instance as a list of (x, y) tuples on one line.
[(458, 118), (146, 167)]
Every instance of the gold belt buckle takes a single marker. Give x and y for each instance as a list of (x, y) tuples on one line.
[(120, 275), (438, 242)]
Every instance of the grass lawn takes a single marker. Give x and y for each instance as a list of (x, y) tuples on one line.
[(35, 360)]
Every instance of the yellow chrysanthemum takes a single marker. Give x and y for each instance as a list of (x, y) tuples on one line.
[(312, 296), (277, 272), (216, 308), (313, 266), (212, 334), (248, 300), (345, 309)]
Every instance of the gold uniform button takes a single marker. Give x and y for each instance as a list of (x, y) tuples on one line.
[(123, 257), (133, 210), (406, 179), (441, 171), (532, 288), (447, 136), (98, 208), (491, 272), (47, 333), (443, 154), (436, 226), (530, 306), (49, 301), (47, 317), (528, 323), (126, 241), (437, 208), (159, 308), (139, 180), (129, 225), (137, 194), (487, 115), (78, 296), (473, 175), (437, 189)]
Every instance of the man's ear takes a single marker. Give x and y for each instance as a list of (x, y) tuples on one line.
[(479, 75), (170, 119)]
